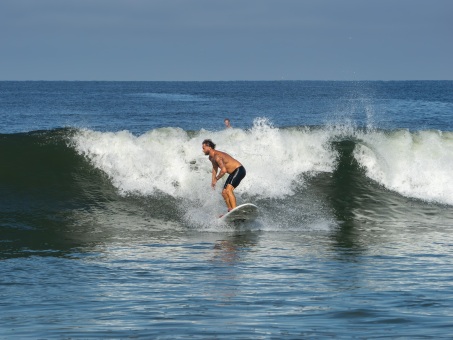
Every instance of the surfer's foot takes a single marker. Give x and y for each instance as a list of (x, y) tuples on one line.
[(224, 214)]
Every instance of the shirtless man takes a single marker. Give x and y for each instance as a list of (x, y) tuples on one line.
[(227, 123), (227, 165)]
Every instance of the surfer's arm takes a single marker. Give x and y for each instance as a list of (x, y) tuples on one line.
[(215, 168), (222, 167)]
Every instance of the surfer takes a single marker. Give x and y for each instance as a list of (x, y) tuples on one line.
[(227, 165), (227, 123)]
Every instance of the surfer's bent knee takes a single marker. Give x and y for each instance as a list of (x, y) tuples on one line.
[(227, 188)]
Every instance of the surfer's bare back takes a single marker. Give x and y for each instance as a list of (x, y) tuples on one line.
[(227, 165)]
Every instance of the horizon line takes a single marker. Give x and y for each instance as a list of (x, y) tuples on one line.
[(238, 80)]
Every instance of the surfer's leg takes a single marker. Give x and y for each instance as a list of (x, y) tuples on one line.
[(229, 197), (231, 183)]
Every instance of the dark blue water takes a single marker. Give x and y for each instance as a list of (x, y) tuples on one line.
[(141, 106), (109, 229)]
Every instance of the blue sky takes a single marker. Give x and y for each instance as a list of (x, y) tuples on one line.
[(226, 39)]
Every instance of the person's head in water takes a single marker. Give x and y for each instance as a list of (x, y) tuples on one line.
[(207, 145), (227, 123)]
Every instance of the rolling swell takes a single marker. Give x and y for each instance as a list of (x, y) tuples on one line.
[(40, 171), (43, 182), (362, 204), (63, 188)]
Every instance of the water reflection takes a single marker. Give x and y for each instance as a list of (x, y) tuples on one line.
[(233, 248), (227, 262)]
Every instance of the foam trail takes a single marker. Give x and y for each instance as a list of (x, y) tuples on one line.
[(417, 165)]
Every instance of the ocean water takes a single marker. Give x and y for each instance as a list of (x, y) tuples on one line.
[(109, 225)]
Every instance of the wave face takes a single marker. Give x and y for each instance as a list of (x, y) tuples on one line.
[(43, 180), (170, 160), (300, 177), (417, 165)]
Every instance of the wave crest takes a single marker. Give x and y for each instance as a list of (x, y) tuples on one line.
[(169, 160), (417, 165)]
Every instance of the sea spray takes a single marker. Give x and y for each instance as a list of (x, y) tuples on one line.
[(279, 164), (169, 161)]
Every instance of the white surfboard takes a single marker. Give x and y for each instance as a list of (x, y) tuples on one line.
[(242, 213)]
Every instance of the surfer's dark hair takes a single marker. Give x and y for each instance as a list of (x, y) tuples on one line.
[(209, 143)]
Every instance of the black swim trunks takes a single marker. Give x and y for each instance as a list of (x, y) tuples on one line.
[(235, 177)]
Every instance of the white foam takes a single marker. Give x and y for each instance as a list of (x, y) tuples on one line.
[(170, 161), (417, 165)]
